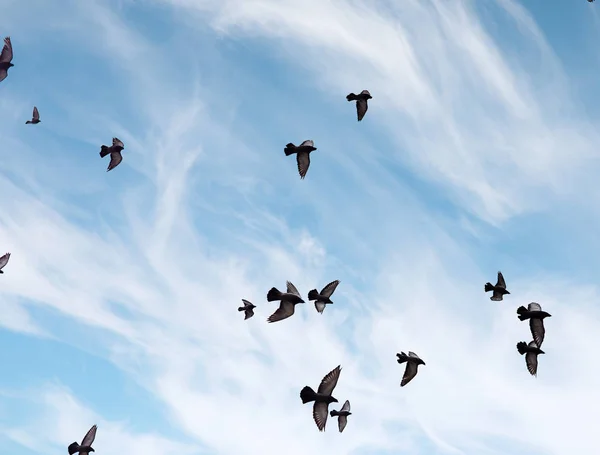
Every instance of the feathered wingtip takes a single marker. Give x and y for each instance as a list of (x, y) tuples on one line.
[(104, 151), (489, 287), (313, 294), (73, 448), (520, 311), (274, 294), (522, 347), (307, 394), (402, 357), (351, 97)]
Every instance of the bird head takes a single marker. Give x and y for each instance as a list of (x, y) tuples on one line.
[(421, 362), (541, 352), (546, 315), (349, 413), (334, 400), (10, 65)]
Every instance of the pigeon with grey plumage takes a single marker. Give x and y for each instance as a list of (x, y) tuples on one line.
[(361, 102), (86, 445), (322, 397), (6, 57), (302, 155), (36, 117), (499, 290), (322, 298), (288, 299), (531, 352), (115, 153), (3, 261), (412, 364), (536, 316), (342, 415), (248, 308)]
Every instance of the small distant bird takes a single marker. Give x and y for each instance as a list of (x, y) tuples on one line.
[(531, 359), (361, 102), (412, 364), (289, 300), (3, 261), (322, 298), (114, 151), (86, 445), (342, 415), (536, 316), (5, 58), (590, 1), (499, 289), (322, 397), (248, 308), (302, 155), (36, 117)]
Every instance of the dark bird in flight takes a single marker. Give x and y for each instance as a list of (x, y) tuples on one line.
[(322, 397), (36, 117), (342, 415), (531, 358), (288, 299), (302, 155), (412, 364), (361, 102), (248, 308), (3, 261), (6, 58), (590, 1), (536, 316), (86, 445), (115, 153), (499, 289), (322, 298)]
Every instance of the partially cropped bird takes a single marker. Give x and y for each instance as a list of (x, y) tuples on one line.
[(115, 153), (248, 308), (322, 397), (36, 117), (499, 289), (3, 261), (288, 299), (322, 298), (86, 445), (531, 358), (536, 316), (342, 415), (6, 57), (302, 152), (361, 102), (412, 364)]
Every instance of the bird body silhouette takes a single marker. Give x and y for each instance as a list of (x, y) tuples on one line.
[(536, 316), (499, 290), (361, 102), (288, 301), (322, 298), (248, 308), (35, 118), (342, 415), (115, 153), (6, 57), (412, 364), (322, 397), (531, 352), (3, 261), (302, 152), (86, 444)]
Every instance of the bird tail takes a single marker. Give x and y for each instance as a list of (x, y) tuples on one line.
[(289, 149), (489, 287), (522, 347), (73, 448), (521, 312), (274, 294), (241, 308), (334, 413), (402, 357), (104, 151), (307, 394), (351, 97), (313, 294)]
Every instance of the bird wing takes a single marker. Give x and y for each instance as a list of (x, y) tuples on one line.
[(285, 310), (346, 406), (249, 312), (3, 74), (330, 288), (308, 143), (320, 306), (117, 143), (7, 52), (247, 303), (329, 381), (532, 362), (413, 355), (36, 113), (361, 108), (89, 437), (4, 260), (365, 92), (115, 160), (303, 160), (342, 421), (291, 289), (409, 373), (501, 283), (320, 409), (533, 306), (537, 330)]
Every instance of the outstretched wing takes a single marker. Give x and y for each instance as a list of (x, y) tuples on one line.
[(531, 359), (115, 160), (346, 406), (4, 260), (320, 306), (342, 422), (36, 113), (533, 306), (409, 373), (328, 290), (303, 160), (249, 312), (89, 437), (291, 289), (7, 52), (308, 143), (361, 108), (285, 310), (501, 283), (330, 381), (320, 409), (117, 143), (537, 330)]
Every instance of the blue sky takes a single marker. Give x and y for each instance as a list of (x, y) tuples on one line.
[(478, 153)]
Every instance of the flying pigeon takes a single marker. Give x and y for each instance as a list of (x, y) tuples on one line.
[(323, 298), (36, 117), (361, 102), (86, 445), (342, 415), (536, 316), (115, 153), (302, 155), (322, 397), (3, 261), (531, 358), (412, 364), (499, 289), (248, 308), (6, 57), (289, 300)]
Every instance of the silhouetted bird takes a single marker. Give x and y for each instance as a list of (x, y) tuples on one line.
[(3, 261), (322, 298), (590, 1), (536, 316), (5, 58), (361, 102), (248, 308), (531, 359), (412, 364), (289, 300), (86, 445), (322, 397), (342, 415), (302, 155), (499, 289), (36, 117), (115, 153)]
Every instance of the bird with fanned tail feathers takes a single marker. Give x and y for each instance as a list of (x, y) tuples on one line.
[(115, 153), (302, 152), (288, 301), (361, 102), (86, 444), (322, 397), (322, 298), (248, 308), (536, 316), (531, 352), (412, 364), (342, 415), (498, 290)]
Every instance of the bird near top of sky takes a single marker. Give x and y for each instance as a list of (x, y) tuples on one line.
[(478, 153)]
